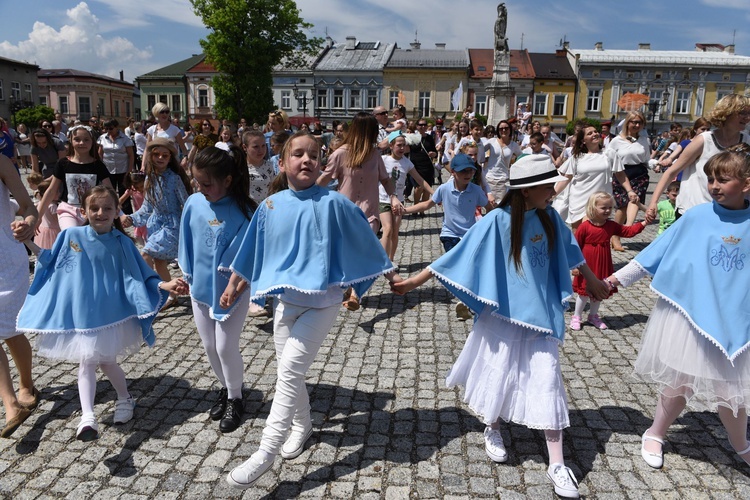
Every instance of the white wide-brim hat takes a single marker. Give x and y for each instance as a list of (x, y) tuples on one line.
[(533, 170)]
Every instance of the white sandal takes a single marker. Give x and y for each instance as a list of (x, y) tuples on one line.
[(655, 460), (746, 450)]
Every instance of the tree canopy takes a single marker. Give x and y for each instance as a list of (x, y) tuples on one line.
[(33, 115), (248, 38)]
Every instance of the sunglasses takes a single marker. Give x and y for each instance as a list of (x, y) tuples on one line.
[(165, 112), (381, 113), (636, 122), (503, 128), (421, 124)]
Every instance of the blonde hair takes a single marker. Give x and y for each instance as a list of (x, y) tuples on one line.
[(591, 204), (734, 163), (158, 108), (632, 115), (726, 107)]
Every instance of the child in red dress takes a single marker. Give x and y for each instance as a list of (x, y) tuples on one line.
[(593, 237)]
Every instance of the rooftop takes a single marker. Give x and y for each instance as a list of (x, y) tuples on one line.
[(552, 66), (76, 73), (438, 58), (176, 70), (705, 54), (356, 56)]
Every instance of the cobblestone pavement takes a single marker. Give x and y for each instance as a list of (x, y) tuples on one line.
[(385, 424)]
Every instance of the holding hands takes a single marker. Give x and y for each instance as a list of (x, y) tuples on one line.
[(126, 221), (177, 285), (22, 230)]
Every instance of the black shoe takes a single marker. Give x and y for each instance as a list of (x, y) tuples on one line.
[(218, 409), (232, 416)]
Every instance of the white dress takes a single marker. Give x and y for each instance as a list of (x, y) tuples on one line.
[(591, 172), (513, 373), (14, 271), (498, 166)]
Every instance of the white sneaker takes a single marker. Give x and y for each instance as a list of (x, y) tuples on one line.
[(88, 429), (295, 444), (565, 482), (494, 446), (124, 410), (245, 475)]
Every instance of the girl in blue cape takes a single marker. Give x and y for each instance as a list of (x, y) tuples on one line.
[(305, 245), (512, 269), (213, 224), (695, 342), (93, 298)]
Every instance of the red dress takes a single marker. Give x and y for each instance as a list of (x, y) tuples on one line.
[(594, 243)]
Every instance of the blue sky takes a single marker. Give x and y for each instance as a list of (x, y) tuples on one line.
[(138, 36)]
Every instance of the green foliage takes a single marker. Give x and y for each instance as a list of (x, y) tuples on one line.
[(248, 38), (570, 127), (33, 115)]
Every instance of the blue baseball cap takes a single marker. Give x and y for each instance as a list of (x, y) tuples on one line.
[(461, 162)]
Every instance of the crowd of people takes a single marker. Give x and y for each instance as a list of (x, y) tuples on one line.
[(294, 218)]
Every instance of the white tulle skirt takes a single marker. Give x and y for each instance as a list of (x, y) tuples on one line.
[(513, 373), (101, 346), (684, 362)]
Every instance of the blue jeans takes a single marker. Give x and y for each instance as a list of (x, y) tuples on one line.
[(449, 242)]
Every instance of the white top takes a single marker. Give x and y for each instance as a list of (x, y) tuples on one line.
[(168, 134), (591, 172), (498, 164), (397, 170), (631, 153), (140, 143), (694, 185)]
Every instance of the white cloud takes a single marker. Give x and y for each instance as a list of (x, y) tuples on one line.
[(138, 13), (78, 44)]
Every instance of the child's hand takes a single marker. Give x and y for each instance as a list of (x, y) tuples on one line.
[(597, 289), (649, 218), (126, 221), (228, 297), (22, 231), (177, 285), (575, 272), (404, 286)]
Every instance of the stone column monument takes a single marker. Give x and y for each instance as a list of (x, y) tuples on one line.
[(499, 91)]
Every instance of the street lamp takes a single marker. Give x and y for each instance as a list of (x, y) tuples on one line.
[(654, 106), (301, 97)]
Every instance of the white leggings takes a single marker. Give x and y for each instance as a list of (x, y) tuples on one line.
[(87, 383), (221, 339), (298, 333)]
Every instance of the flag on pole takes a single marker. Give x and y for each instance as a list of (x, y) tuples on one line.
[(458, 94)]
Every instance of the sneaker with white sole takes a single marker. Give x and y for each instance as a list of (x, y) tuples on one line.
[(88, 429), (565, 482), (494, 446), (245, 475), (124, 410), (295, 443)]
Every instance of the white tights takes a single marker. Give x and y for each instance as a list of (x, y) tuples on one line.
[(87, 383), (298, 333), (221, 340), (581, 301)]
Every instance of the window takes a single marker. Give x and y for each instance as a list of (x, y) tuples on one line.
[(594, 100), (43, 100), (176, 103), (28, 95), (15, 90), (286, 99), (2, 93), (480, 105), (424, 104), (322, 101), (392, 99), (521, 98), (338, 98), (682, 104), (127, 108), (203, 97), (151, 102), (540, 104), (62, 104), (84, 108), (372, 98), (163, 98), (558, 105), (116, 112), (100, 110), (355, 99), (720, 94)]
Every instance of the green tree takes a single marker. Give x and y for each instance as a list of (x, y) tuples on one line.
[(248, 38), (570, 127), (33, 115)]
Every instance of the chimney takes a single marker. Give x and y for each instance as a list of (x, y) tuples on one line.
[(351, 42), (440, 46), (415, 45), (122, 76), (729, 49), (644, 46), (561, 53), (598, 46)]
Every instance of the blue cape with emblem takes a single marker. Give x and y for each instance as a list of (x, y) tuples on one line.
[(308, 241), (698, 265), (479, 272), (89, 282), (210, 235)]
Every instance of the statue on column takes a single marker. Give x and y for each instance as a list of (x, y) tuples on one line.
[(501, 42)]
